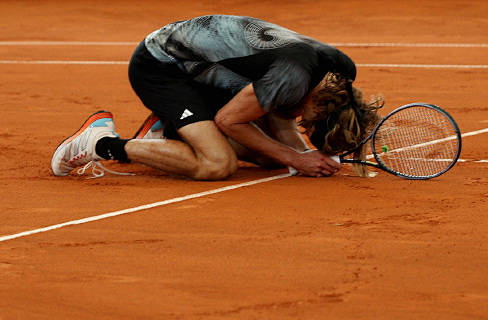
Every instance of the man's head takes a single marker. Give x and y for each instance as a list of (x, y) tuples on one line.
[(337, 118)]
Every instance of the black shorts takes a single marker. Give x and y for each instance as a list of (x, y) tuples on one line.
[(170, 93)]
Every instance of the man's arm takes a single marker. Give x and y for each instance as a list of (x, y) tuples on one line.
[(234, 120), (286, 131)]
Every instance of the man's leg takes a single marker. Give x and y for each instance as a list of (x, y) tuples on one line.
[(273, 126), (205, 154)]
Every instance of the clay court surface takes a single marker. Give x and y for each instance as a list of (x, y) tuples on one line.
[(292, 248)]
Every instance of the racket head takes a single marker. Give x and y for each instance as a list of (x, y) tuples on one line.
[(417, 141)]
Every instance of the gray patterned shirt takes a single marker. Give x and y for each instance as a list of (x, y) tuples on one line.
[(229, 52)]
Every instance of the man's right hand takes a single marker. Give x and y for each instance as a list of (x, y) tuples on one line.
[(315, 164)]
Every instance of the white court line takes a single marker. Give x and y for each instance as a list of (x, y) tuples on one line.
[(441, 160), (473, 133), (366, 65), (425, 66), (411, 45), (336, 44), (67, 43), (139, 208), (470, 160), (61, 62)]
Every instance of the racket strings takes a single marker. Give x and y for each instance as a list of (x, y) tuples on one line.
[(417, 142)]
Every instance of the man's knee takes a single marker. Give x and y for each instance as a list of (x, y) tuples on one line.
[(215, 157), (216, 169)]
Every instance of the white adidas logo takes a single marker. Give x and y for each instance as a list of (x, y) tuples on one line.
[(186, 114)]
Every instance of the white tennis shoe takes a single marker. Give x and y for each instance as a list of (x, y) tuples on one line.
[(152, 128), (79, 149)]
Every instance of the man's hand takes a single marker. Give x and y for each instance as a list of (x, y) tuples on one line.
[(315, 164)]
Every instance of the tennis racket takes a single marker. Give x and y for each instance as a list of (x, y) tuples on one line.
[(416, 141)]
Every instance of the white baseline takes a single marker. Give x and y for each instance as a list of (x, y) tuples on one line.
[(139, 208), (337, 44), (364, 65)]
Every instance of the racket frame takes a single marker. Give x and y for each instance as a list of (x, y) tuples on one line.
[(380, 164)]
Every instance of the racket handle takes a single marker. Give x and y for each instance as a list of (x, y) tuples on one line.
[(292, 171), (336, 159)]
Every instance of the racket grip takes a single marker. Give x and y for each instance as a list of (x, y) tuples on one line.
[(336, 159), (292, 171)]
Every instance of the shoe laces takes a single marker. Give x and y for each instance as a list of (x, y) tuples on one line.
[(98, 170)]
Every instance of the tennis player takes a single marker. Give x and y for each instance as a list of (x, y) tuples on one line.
[(226, 87)]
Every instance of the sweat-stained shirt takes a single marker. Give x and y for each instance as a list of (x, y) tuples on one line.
[(229, 52)]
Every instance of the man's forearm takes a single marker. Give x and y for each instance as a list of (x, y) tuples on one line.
[(235, 118), (286, 131), (254, 139)]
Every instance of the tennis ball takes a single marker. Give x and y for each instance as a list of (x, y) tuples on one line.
[(384, 148)]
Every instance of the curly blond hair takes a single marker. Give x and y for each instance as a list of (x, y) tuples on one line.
[(340, 124)]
